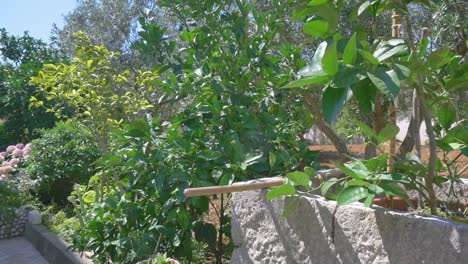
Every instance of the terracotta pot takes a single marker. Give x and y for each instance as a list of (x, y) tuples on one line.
[(396, 203)]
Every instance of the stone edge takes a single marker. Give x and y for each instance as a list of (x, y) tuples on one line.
[(52, 247)]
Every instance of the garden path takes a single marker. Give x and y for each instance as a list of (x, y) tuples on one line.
[(19, 250)]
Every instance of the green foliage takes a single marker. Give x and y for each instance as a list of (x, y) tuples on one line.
[(21, 58), (10, 199), (61, 157), (93, 89), (236, 124), (61, 224)]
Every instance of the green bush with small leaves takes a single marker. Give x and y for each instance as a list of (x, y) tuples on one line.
[(61, 157)]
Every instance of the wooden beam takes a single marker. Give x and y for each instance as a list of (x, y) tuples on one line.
[(262, 183)]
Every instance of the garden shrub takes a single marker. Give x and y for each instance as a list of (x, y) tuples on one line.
[(10, 199), (60, 223), (61, 157)]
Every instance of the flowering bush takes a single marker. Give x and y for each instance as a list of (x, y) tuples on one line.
[(12, 160), (14, 184)]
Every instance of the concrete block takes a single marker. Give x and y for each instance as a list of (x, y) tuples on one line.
[(319, 231), (34, 217)]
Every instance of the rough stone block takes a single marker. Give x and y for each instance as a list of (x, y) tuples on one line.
[(319, 231), (34, 217)]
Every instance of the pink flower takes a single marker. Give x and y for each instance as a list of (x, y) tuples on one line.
[(26, 151), (29, 145), (18, 153), (3, 177), (6, 163), (7, 169), (11, 148), (2, 158), (4, 154), (14, 161), (20, 146)]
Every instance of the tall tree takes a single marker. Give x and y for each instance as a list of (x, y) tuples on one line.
[(21, 57)]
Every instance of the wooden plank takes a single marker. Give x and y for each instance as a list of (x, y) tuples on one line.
[(262, 183)]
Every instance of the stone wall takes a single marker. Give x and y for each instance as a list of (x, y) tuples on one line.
[(317, 231), (13, 225)]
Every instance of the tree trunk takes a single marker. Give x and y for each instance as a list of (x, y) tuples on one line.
[(314, 105)]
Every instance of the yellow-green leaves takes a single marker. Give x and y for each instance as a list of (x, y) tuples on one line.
[(316, 28), (281, 190), (317, 2), (351, 195), (92, 88)]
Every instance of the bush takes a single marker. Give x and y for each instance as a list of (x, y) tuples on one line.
[(9, 199), (60, 223), (61, 157)]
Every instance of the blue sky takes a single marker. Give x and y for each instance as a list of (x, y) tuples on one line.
[(35, 16)]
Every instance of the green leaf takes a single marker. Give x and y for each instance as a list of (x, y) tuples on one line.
[(279, 191), (375, 189), (317, 2), (272, 159), (253, 160), (299, 178), (329, 13), (458, 83), (327, 185), (367, 130), (209, 155), (350, 52), (201, 203), (446, 114), (351, 194), (369, 200), (364, 91), (393, 189), (309, 171), (368, 56), (319, 78), (439, 58), (387, 133), (355, 182), (386, 81), (319, 53), (89, 197), (333, 101), (388, 49), (330, 60), (313, 72), (183, 218), (363, 7), (316, 28), (402, 71), (348, 171), (349, 75)]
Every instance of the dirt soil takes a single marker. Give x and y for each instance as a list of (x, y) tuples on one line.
[(328, 154)]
